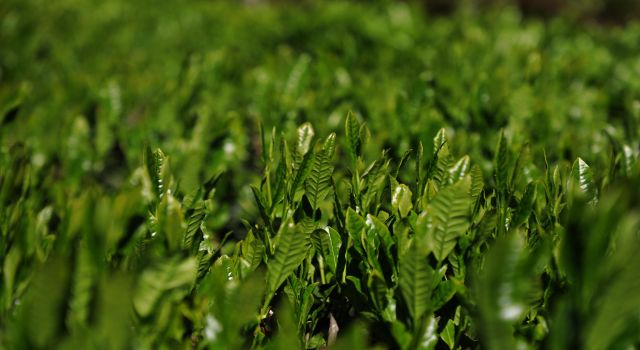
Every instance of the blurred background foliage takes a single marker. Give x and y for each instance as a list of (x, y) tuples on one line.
[(86, 84)]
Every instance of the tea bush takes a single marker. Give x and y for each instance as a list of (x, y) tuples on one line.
[(250, 175)]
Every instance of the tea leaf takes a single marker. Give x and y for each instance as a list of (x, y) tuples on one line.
[(583, 176), (415, 281), (318, 184), (352, 127), (290, 251), (450, 211)]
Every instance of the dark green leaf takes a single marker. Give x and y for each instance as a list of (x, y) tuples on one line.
[(415, 281), (352, 127), (291, 249)]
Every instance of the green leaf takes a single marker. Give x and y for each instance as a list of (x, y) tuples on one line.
[(448, 334), (318, 183), (281, 181), (501, 164), (170, 222), (305, 136), (83, 283), (355, 227), (231, 306), (525, 206), (501, 288), (415, 281), (582, 175), (401, 335), (378, 229), (261, 207), (291, 250), (286, 338), (193, 234), (352, 127), (460, 169), (450, 211), (523, 156), (375, 180), (10, 267), (328, 243), (355, 337), (418, 163), (430, 337), (162, 278), (155, 162), (303, 171), (252, 250), (45, 303), (444, 292), (439, 140), (477, 181), (629, 160), (377, 289), (443, 159), (401, 200), (403, 161), (263, 144)]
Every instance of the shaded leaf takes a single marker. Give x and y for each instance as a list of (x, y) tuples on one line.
[(415, 281), (291, 250), (501, 164), (162, 278), (352, 127), (328, 243)]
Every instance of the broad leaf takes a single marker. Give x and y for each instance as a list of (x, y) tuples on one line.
[(355, 227), (193, 233), (415, 280), (450, 210), (524, 207), (252, 250), (459, 169), (448, 334), (327, 243), (303, 171), (291, 250), (401, 200), (164, 277), (318, 183), (439, 140)]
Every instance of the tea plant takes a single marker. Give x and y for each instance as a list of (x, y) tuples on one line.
[(443, 258), (401, 181)]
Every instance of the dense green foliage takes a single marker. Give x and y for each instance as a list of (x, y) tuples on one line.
[(220, 175)]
